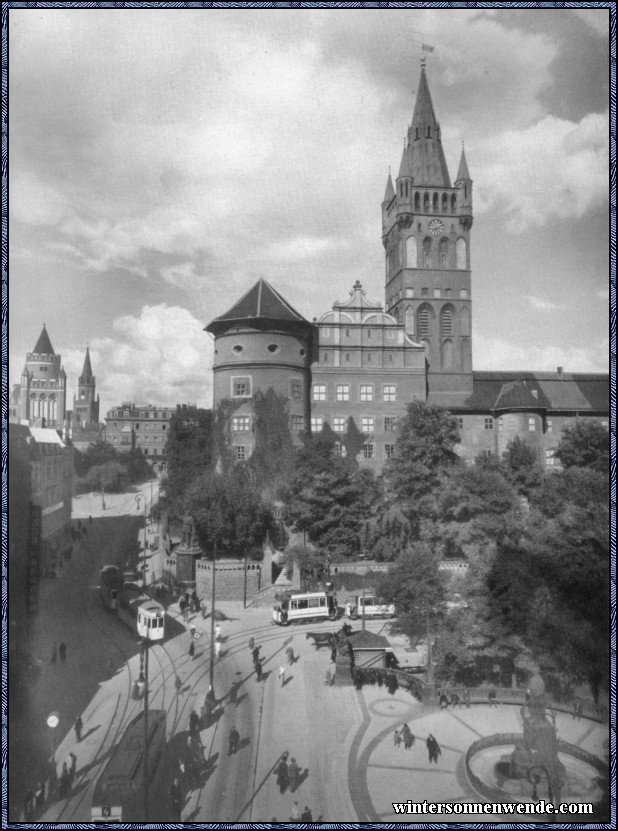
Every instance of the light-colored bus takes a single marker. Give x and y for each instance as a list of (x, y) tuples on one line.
[(291, 607), (373, 606)]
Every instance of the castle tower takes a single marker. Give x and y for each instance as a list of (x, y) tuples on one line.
[(261, 343), (426, 226), (85, 405), (40, 398)]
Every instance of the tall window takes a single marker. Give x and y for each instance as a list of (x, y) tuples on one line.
[(389, 451), (532, 424), (443, 253), (366, 392), (319, 392), (339, 449), (489, 424), (447, 321), (297, 422), (423, 321), (368, 451), (550, 427), (464, 321), (339, 424), (448, 356), (389, 424), (417, 198), (296, 389), (316, 424), (411, 251), (389, 393), (240, 450), (343, 392), (241, 387), (367, 424), (427, 252), (461, 252)]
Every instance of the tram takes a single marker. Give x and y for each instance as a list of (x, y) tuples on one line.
[(119, 793), (373, 606), (110, 586), (151, 620), (131, 604), (291, 607)]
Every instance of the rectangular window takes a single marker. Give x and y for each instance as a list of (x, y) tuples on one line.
[(296, 389), (532, 424), (389, 451), (339, 449), (325, 357), (366, 392), (460, 423), (319, 392), (367, 424), (347, 356), (409, 292), (424, 292), (339, 424), (368, 451), (437, 293), (241, 387), (316, 424), (343, 392), (240, 452), (388, 393), (550, 460), (500, 424), (489, 424), (297, 423), (550, 428), (241, 424), (137, 425), (390, 424)]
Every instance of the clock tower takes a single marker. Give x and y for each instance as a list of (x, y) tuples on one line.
[(426, 225)]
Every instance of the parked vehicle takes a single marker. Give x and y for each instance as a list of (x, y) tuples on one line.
[(373, 606), (291, 607)]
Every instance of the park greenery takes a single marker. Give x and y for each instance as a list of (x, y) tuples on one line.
[(101, 467), (535, 543)]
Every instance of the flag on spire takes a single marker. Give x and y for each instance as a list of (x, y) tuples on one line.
[(427, 48)]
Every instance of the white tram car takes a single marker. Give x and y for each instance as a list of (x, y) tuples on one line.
[(372, 605), (151, 620), (298, 607)]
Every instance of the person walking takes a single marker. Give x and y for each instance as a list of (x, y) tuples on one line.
[(192, 649), (203, 609), (295, 815), (176, 799), (282, 675), (234, 740), (54, 655), (251, 644), (578, 710), (72, 766), (78, 726), (467, 698), (178, 685), (407, 737), (39, 794), (290, 655), (258, 670), (217, 632), (433, 748), (255, 652), (218, 649), (306, 815), (62, 649), (282, 773), (64, 782), (492, 697), (294, 774), (396, 738)]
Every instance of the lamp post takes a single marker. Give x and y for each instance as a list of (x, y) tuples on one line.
[(212, 616), (363, 573), (53, 720), (140, 691)]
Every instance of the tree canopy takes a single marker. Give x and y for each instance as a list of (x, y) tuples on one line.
[(584, 444)]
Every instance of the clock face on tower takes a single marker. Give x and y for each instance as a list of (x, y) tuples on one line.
[(436, 226)]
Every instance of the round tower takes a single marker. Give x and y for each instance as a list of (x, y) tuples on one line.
[(261, 344)]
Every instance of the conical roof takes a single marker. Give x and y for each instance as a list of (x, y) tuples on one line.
[(390, 190), (405, 168), (43, 345), (425, 145), (262, 303), (462, 173), (87, 368)]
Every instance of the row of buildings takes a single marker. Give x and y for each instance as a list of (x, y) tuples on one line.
[(366, 361)]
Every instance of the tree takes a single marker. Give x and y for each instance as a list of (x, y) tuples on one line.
[(522, 466), (105, 476), (138, 469), (584, 444), (416, 586), (273, 456), (189, 450), (97, 453)]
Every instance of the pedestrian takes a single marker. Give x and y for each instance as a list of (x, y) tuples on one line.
[(185, 613), (187, 599), (39, 794), (192, 649), (217, 632), (251, 645), (234, 740), (396, 738), (176, 799), (306, 815), (290, 655), (79, 725), (192, 630), (433, 748), (407, 737), (294, 774), (62, 649), (178, 684), (444, 702), (282, 773), (203, 610), (333, 654), (72, 766), (328, 678), (218, 649), (65, 782), (258, 670), (467, 698), (54, 655), (282, 675), (295, 815), (256, 654)]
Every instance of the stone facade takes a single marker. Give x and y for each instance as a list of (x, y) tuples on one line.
[(229, 579)]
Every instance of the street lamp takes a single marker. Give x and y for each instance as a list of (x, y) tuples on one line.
[(53, 720), (212, 616), (140, 692)]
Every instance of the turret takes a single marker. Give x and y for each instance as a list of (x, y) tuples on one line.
[(464, 183)]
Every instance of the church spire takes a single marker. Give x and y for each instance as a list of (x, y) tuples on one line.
[(87, 368), (43, 345), (462, 173), (390, 190), (427, 159)]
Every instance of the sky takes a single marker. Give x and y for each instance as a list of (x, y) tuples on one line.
[(162, 161)]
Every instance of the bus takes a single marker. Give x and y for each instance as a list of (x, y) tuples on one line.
[(373, 606), (297, 607), (119, 793)]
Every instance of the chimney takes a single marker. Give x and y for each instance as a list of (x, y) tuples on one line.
[(559, 372)]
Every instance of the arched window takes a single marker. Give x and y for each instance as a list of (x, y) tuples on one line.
[(435, 202), (465, 193), (426, 203), (406, 189), (428, 132), (417, 201), (444, 203), (53, 411), (466, 355), (448, 355), (448, 292), (424, 321), (443, 253), (411, 252), (35, 408), (410, 320), (462, 254), (453, 203), (464, 321), (446, 321), (427, 252), (416, 133)]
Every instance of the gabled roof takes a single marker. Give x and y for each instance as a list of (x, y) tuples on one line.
[(358, 300), (43, 345), (368, 640), (261, 303)]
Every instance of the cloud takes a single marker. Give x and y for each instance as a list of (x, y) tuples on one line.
[(540, 304), (596, 19), (161, 356), (500, 354)]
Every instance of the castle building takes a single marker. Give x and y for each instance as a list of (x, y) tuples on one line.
[(39, 399), (364, 363)]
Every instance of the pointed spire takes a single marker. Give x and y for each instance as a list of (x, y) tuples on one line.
[(462, 173), (43, 345), (405, 168), (87, 368), (427, 158), (390, 190)]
